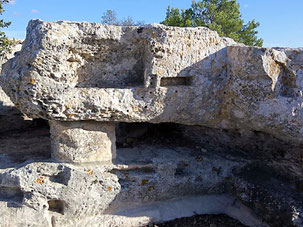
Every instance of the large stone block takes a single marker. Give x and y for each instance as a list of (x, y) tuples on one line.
[(239, 107), (69, 71), (83, 141)]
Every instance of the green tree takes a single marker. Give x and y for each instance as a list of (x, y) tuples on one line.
[(5, 43), (222, 16), (110, 18)]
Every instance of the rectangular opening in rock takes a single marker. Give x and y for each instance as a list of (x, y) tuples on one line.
[(112, 64), (176, 81), (56, 205)]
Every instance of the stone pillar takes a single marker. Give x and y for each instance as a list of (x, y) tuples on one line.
[(83, 141)]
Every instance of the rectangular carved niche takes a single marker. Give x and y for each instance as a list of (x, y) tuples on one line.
[(176, 81), (56, 205)]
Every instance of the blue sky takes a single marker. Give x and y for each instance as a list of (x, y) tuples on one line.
[(281, 21)]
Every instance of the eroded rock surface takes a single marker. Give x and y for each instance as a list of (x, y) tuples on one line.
[(236, 148), (10, 117), (83, 141), (71, 71), (80, 71), (157, 176)]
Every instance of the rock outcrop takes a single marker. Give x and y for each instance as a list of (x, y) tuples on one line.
[(79, 71), (235, 143), (10, 117)]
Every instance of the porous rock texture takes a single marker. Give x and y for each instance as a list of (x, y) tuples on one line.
[(80, 71), (77, 141), (10, 117), (233, 143)]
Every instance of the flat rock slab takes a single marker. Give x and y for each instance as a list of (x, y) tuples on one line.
[(151, 177), (144, 187)]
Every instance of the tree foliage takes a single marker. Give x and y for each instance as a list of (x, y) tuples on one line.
[(110, 18), (222, 16), (5, 43)]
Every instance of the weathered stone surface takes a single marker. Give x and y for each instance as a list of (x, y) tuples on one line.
[(86, 56), (240, 152), (5, 102), (80, 71), (83, 141), (10, 117), (53, 189), (158, 179)]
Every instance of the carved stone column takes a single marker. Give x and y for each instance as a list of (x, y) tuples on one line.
[(83, 141)]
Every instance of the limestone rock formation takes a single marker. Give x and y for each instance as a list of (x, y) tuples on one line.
[(10, 117), (226, 132), (5, 100), (78, 141), (70, 71)]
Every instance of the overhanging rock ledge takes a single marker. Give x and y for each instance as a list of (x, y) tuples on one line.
[(71, 71), (227, 117)]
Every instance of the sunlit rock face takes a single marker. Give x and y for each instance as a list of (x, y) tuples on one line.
[(226, 133), (71, 71)]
